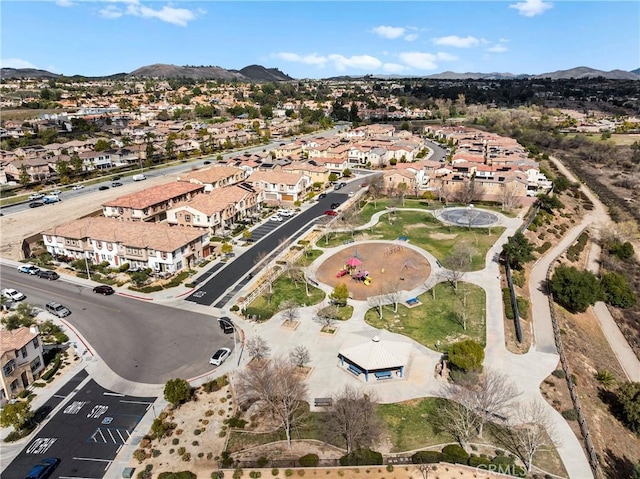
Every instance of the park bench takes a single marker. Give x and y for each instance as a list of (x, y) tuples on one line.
[(403, 238), (347, 241), (320, 402), (412, 301), (382, 375), (355, 369)]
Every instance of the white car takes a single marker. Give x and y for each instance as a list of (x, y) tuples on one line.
[(219, 356), (13, 294), (285, 213), (36, 196), (351, 194), (55, 192), (276, 218), (77, 187)]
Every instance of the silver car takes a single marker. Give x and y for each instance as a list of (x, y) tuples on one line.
[(219, 356)]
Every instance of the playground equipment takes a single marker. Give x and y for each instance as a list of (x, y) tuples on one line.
[(353, 269)]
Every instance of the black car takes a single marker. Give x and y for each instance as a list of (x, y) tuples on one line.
[(43, 469), (207, 162), (116, 178), (115, 184), (226, 325), (46, 274), (104, 289), (36, 204), (334, 205), (103, 187), (322, 195)]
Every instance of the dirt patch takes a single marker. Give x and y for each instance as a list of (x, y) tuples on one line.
[(443, 236), (390, 266)]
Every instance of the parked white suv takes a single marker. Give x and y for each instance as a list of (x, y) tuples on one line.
[(57, 309), (36, 196)]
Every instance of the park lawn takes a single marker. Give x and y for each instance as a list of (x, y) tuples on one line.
[(345, 312), (427, 232), (409, 425), (382, 204), (309, 257), (283, 289), (434, 320)]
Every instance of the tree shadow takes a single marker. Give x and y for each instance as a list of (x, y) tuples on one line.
[(616, 467)]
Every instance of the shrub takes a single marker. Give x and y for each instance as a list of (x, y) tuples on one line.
[(389, 467), (455, 454), (275, 471), (177, 475), (262, 461), (475, 461), (426, 457), (502, 461), (309, 460), (570, 415), (197, 432), (140, 455), (54, 369), (506, 301), (544, 247), (226, 460), (466, 355), (177, 391), (255, 474), (182, 450), (175, 441), (236, 422), (361, 457), (217, 475), (288, 473), (559, 373), (605, 377)]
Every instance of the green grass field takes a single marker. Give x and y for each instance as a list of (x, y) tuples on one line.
[(283, 289), (435, 319)]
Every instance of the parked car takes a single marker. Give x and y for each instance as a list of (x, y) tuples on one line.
[(103, 187), (334, 205), (322, 196), (50, 199), (115, 184), (36, 196), (276, 218), (226, 325), (207, 162), (330, 213), (337, 187), (29, 269), (47, 274), (55, 192), (351, 193), (43, 469), (285, 213), (57, 309), (116, 178), (104, 289), (77, 187), (219, 356), (13, 294), (342, 184), (36, 204), (364, 185)]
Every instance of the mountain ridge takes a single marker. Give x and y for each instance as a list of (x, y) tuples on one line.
[(258, 73)]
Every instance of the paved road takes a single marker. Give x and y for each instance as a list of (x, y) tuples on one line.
[(140, 341), (91, 425)]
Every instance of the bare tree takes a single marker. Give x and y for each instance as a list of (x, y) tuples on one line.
[(327, 316), (495, 394), (277, 390), (393, 296), (402, 191), (300, 356), (376, 189), (458, 416), (509, 196), (289, 310), (257, 348), (425, 469), (353, 418), (457, 263), (530, 431), (377, 301)]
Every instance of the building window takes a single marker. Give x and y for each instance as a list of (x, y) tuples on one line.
[(187, 217), (8, 368), (35, 364), (36, 343), (23, 351)]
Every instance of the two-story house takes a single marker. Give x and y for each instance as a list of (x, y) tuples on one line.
[(216, 211), (158, 246), (151, 204), (21, 360), (214, 177), (280, 186)]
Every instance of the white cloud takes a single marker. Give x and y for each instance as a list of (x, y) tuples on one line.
[(446, 57), (411, 37), (531, 8), (390, 33), (175, 16), (65, 3), (312, 59), (419, 60), (456, 41), (360, 62), (110, 11), (394, 68), (497, 48), (16, 63)]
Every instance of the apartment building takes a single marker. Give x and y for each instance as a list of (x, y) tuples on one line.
[(21, 359)]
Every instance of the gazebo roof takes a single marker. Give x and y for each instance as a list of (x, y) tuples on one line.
[(375, 353)]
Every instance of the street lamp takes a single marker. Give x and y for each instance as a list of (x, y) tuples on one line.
[(86, 263)]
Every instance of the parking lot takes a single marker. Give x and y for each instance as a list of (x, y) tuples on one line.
[(86, 432)]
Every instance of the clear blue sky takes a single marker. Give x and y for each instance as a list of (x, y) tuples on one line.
[(307, 39)]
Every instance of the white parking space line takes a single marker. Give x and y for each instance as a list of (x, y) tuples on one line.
[(112, 394), (136, 402), (98, 431), (112, 438)]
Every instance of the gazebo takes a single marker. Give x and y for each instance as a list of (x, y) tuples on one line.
[(376, 356)]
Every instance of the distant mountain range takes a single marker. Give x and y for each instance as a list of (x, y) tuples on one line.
[(258, 73)]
